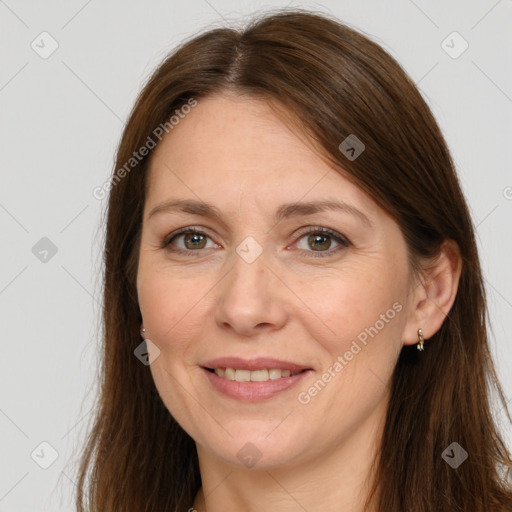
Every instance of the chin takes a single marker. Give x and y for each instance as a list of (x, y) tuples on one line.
[(257, 446)]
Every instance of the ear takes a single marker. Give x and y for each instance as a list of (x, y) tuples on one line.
[(433, 297)]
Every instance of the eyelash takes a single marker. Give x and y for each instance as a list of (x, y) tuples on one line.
[(342, 241)]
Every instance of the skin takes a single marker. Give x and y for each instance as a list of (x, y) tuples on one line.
[(237, 154)]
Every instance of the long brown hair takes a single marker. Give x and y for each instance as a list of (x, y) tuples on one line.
[(335, 82)]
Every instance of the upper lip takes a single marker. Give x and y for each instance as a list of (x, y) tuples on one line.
[(259, 363)]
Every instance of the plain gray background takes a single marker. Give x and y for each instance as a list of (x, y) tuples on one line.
[(60, 120)]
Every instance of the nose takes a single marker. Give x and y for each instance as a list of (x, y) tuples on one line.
[(250, 299)]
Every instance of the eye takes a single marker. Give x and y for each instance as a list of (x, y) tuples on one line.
[(189, 240), (320, 239), (192, 239)]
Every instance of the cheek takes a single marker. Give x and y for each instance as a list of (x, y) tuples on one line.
[(345, 307), (162, 303), (358, 318), (360, 337), (171, 307)]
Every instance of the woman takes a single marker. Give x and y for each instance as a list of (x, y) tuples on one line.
[(287, 233)]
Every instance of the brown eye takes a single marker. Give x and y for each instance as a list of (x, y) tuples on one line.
[(194, 241), (186, 240), (320, 240)]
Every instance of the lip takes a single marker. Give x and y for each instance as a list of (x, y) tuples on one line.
[(259, 363), (253, 391)]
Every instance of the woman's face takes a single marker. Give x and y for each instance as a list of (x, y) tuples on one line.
[(262, 281)]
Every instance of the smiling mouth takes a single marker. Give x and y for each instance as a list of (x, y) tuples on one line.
[(262, 375)]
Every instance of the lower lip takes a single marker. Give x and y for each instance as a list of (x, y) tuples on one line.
[(254, 391)]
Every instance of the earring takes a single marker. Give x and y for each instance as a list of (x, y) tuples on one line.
[(419, 346), (142, 331)]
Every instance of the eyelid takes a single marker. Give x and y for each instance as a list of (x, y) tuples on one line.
[(181, 231), (342, 240), (320, 229)]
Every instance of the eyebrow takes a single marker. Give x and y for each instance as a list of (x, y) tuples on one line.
[(285, 211)]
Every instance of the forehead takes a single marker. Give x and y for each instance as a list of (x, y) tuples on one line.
[(229, 146), (232, 132)]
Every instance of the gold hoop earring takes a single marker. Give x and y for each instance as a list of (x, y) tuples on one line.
[(419, 346)]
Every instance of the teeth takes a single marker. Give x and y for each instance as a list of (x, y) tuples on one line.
[(254, 376), (258, 375), (274, 374), (242, 375)]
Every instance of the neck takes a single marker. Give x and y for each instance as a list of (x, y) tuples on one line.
[(335, 479)]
